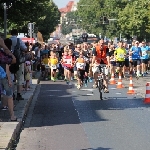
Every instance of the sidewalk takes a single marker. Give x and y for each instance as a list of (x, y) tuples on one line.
[(10, 130)]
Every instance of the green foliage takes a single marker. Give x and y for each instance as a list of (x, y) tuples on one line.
[(43, 13), (128, 17), (70, 23)]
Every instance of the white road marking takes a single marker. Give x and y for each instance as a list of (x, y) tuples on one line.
[(89, 94), (118, 93), (53, 90), (113, 88), (87, 89), (138, 89)]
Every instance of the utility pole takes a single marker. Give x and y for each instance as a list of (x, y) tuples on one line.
[(30, 30), (5, 20)]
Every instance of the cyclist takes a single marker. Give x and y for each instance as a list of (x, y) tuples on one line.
[(100, 54)]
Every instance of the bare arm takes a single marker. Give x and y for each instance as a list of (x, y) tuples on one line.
[(93, 59), (6, 50), (8, 75)]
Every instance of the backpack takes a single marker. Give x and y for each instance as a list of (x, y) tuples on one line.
[(13, 68), (20, 57), (4, 58), (2, 73), (33, 47)]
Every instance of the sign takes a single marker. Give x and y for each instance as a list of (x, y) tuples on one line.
[(92, 39), (30, 40), (76, 32), (40, 37)]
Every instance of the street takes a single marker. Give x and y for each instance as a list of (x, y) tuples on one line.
[(64, 118)]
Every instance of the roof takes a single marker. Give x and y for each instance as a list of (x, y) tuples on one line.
[(67, 8)]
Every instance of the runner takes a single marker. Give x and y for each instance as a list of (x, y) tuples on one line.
[(120, 54)]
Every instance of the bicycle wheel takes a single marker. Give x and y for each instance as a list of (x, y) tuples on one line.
[(100, 87)]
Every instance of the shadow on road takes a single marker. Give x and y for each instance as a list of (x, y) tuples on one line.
[(99, 148), (57, 106), (54, 106)]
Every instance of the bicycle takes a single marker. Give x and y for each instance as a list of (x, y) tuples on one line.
[(100, 79)]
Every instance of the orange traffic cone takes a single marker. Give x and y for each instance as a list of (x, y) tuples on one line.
[(147, 95), (131, 91), (119, 85), (112, 80)]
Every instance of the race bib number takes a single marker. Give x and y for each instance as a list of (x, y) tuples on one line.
[(54, 66), (86, 59), (68, 61), (80, 65), (121, 56), (47, 66), (144, 53)]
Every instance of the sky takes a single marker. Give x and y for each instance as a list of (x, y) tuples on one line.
[(61, 3)]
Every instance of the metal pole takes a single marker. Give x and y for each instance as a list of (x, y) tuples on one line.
[(5, 20), (120, 37), (30, 32)]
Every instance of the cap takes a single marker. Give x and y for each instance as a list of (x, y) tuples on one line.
[(136, 42)]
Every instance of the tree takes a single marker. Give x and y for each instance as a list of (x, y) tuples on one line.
[(70, 23), (129, 17), (134, 21), (43, 13), (92, 15)]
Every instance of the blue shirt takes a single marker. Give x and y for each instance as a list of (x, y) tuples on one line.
[(136, 53), (144, 50), (76, 54), (45, 51), (14, 43)]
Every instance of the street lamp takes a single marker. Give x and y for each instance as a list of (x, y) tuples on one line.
[(5, 18)]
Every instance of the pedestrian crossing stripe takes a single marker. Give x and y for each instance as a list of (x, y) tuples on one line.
[(89, 94), (87, 89), (53, 90)]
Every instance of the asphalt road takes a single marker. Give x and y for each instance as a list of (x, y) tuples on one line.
[(65, 41), (64, 118)]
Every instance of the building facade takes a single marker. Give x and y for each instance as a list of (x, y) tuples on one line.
[(71, 6)]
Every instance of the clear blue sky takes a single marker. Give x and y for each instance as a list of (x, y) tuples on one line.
[(62, 3)]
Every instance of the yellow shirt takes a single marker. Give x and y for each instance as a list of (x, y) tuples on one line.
[(53, 61), (120, 54), (46, 61)]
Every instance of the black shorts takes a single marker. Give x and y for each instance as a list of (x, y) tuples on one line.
[(135, 62), (54, 70), (126, 62), (42, 67), (144, 61), (113, 63), (71, 70), (120, 63), (81, 74), (87, 66)]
